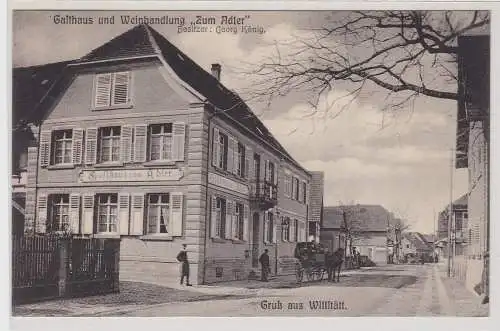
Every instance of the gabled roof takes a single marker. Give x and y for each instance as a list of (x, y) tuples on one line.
[(418, 240), (142, 40), (366, 217)]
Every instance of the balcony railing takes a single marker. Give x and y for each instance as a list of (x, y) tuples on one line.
[(264, 195)]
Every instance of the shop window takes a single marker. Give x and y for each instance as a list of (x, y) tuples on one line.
[(109, 144), (112, 89), (59, 212), (62, 147), (158, 213), (160, 142), (107, 212)]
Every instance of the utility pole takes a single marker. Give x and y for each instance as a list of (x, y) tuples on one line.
[(450, 215)]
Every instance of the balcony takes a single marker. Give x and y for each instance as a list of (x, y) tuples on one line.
[(263, 195)]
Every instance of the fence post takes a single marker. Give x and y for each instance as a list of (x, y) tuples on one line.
[(116, 266), (63, 251)]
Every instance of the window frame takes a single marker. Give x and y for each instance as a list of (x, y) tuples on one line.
[(112, 138), (61, 204), (162, 136), (65, 140), (223, 150), (109, 206), (285, 230), (240, 221), (240, 166), (159, 206), (221, 210)]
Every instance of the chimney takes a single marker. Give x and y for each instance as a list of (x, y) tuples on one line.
[(216, 70)]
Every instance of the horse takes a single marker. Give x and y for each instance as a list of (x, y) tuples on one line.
[(334, 263)]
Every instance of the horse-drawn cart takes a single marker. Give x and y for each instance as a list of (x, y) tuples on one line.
[(311, 261)]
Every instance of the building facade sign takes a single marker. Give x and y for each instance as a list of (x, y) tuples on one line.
[(130, 175), (230, 184)]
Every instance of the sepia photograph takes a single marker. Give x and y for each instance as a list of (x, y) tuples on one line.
[(312, 163)]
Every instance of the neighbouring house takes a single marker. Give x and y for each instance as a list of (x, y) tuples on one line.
[(368, 226), (315, 211), (135, 141), (414, 243), (458, 227), (473, 151)]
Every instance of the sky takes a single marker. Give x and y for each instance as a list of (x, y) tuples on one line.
[(403, 165)]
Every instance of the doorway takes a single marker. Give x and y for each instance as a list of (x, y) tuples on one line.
[(255, 240)]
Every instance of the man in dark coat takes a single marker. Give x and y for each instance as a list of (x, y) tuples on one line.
[(329, 261), (264, 262), (183, 258)]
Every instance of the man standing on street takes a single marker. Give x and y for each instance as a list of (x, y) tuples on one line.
[(183, 258), (264, 263)]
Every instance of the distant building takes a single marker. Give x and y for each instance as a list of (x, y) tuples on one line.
[(458, 227), (369, 229), (315, 212), (415, 243)]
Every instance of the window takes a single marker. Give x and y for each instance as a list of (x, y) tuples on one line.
[(270, 172), (223, 141), (107, 211), (239, 222), (59, 209), (221, 218), (268, 228), (288, 186), (304, 192), (158, 213), (240, 161), (295, 188), (110, 144), (63, 145), (112, 89), (160, 146), (285, 230), (407, 245), (296, 232)]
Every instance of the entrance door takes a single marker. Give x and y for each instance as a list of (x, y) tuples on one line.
[(255, 240)]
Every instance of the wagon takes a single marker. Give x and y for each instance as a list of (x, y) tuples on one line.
[(311, 261)]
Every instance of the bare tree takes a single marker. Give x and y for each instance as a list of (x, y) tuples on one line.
[(405, 53)]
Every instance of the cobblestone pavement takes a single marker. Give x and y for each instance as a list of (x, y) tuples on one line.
[(397, 290), (132, 295)]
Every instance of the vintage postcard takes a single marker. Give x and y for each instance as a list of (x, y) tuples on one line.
[(250, 163)]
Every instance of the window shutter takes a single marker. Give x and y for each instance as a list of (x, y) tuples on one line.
[(236, 159), (292, 230), (102, 90), (300, 191), (176, 209), (245, 222), (91, 146), (213, 217), (41, 222), (137, 222), (248, 163), (179, 138), (294, 188), (215, 148), (123, 213), (140, 142), (126, 144), (88, 214), (45, 137), (275, 174), (77, 146), (230, 154), (74, 212), (229, 219), (121, 88)]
